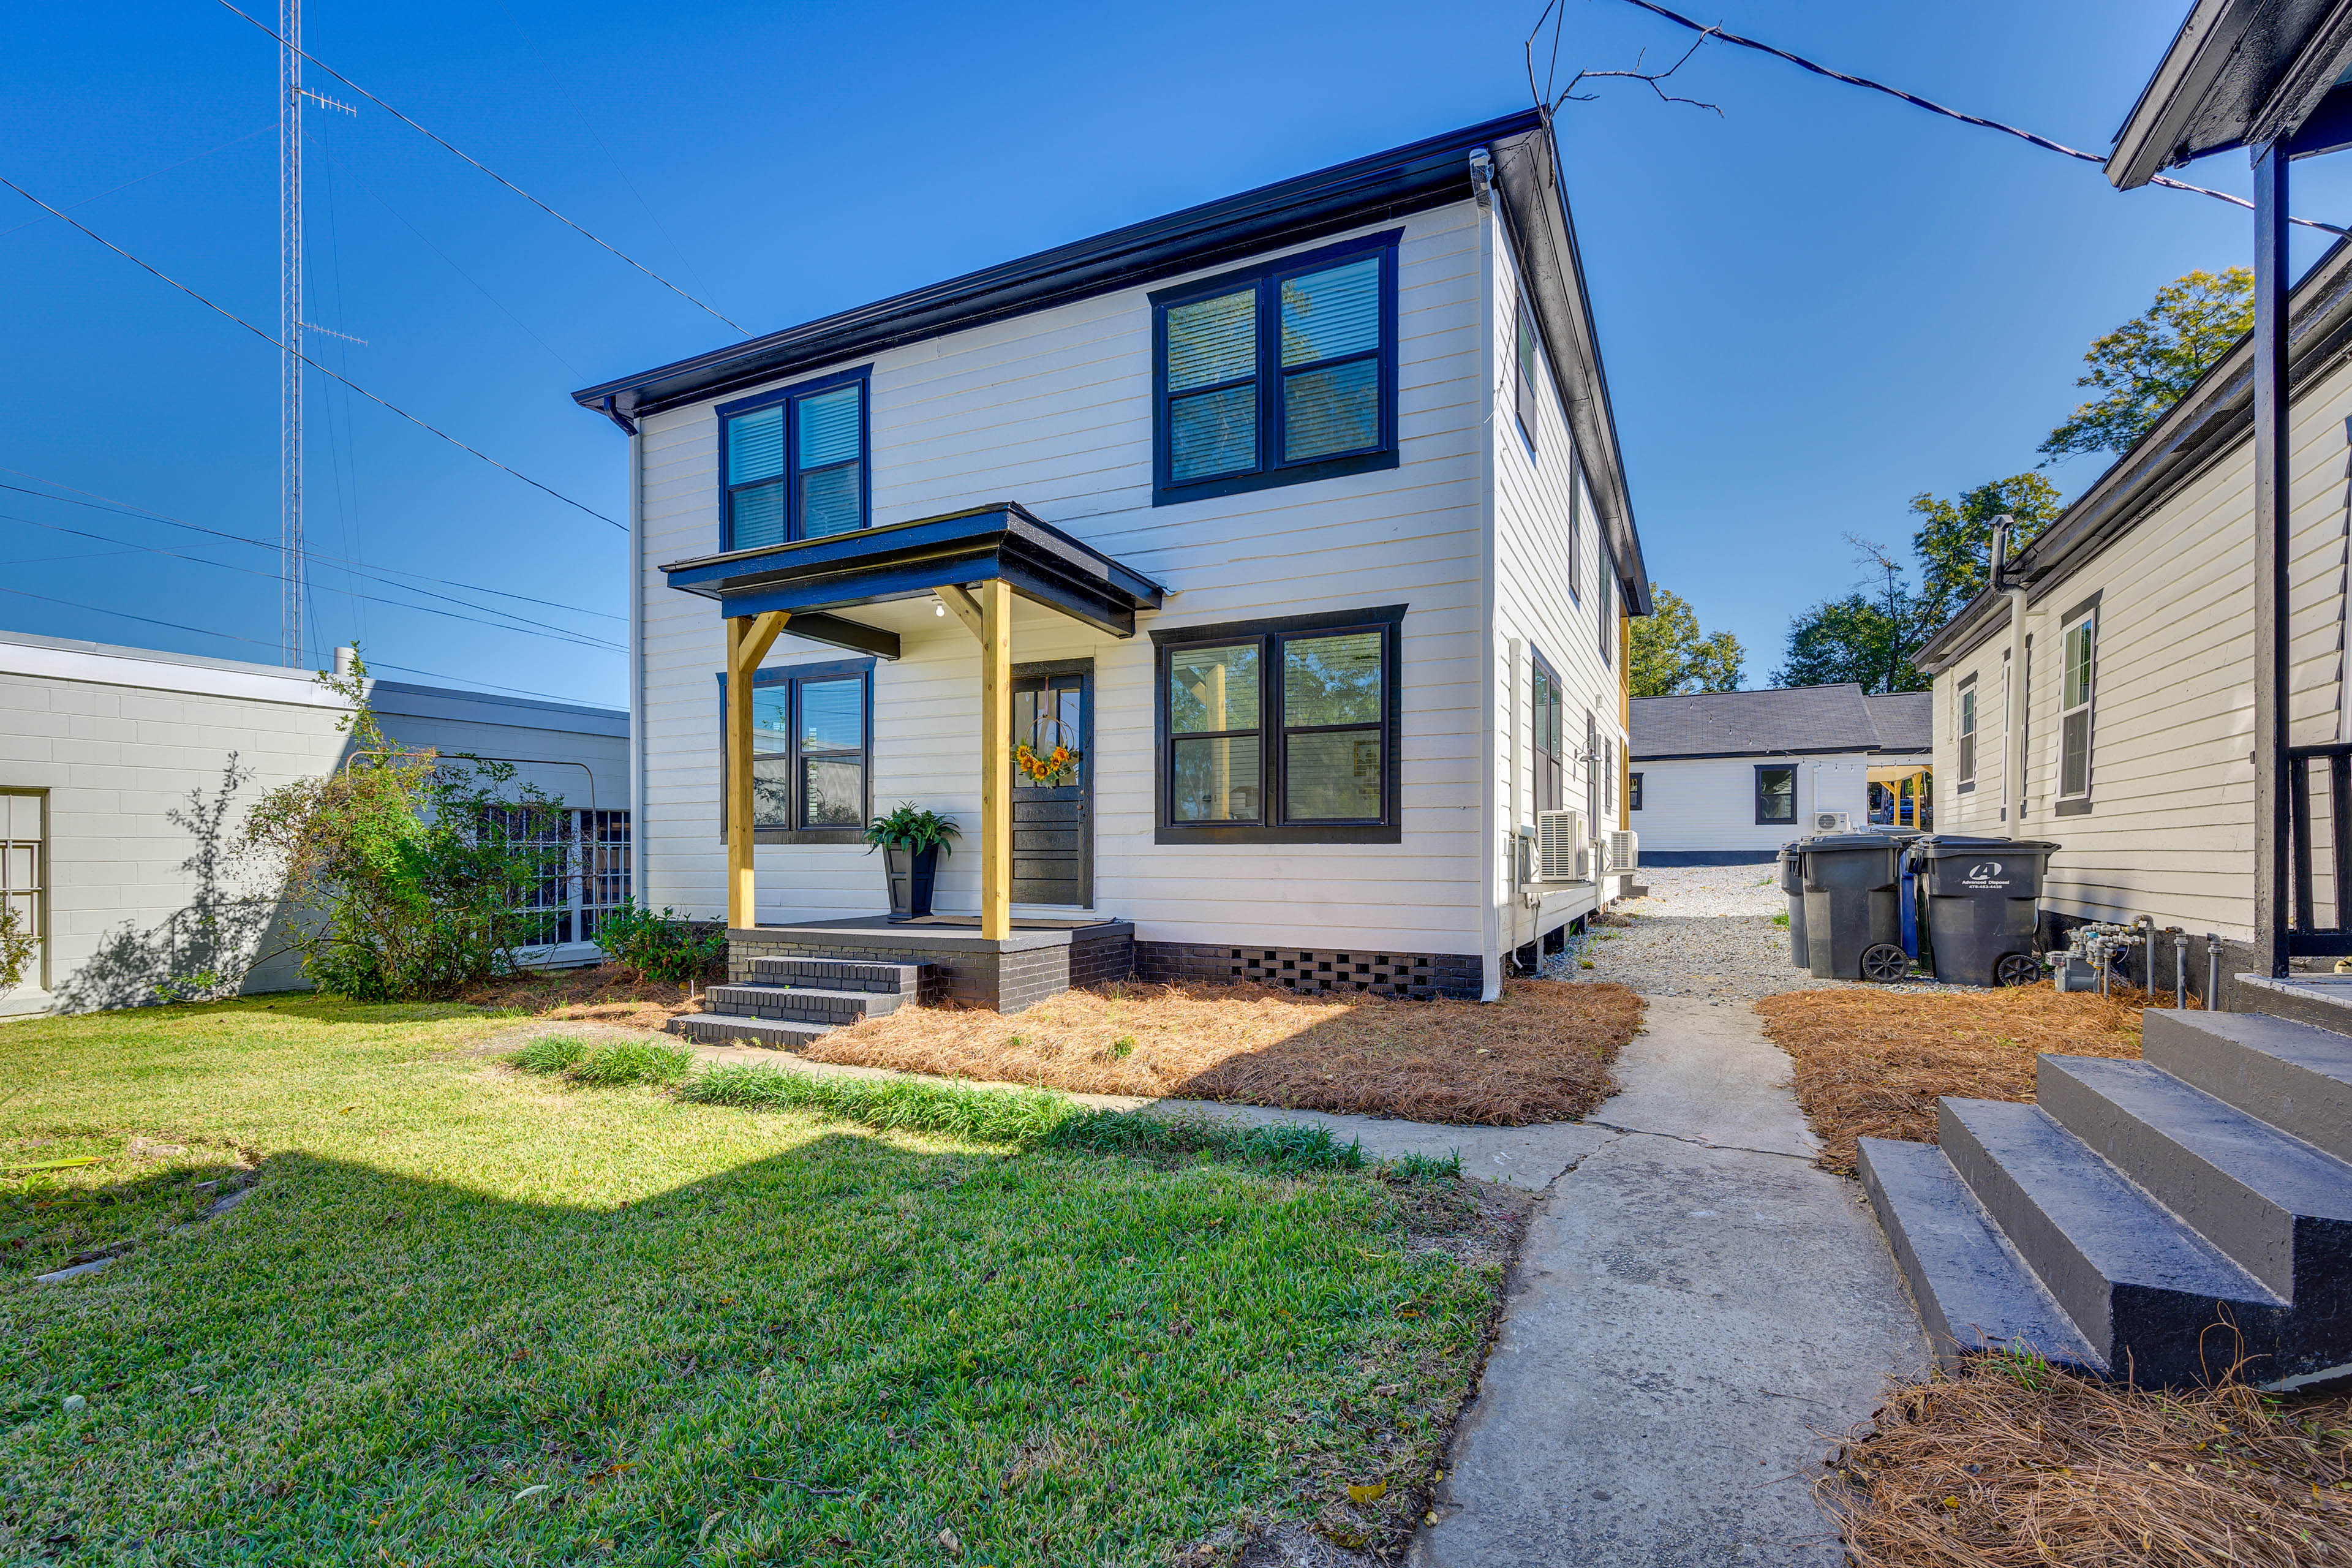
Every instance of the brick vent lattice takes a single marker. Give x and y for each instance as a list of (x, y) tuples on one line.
[(1421, 977)]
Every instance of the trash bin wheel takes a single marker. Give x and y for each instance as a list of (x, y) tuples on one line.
[(2017, 969), (1886, 963)]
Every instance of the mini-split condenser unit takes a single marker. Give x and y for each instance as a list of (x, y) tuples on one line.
[(1832, 822)]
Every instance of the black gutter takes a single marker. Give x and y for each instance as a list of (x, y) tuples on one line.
[(2215, 417), (1422, 175)]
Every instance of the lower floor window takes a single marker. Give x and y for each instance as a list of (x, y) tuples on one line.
[(24, 876), (1633, 792), (811, 733), (1776, 794), (1280, 730)]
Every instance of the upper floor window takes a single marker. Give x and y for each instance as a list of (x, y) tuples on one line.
[(793, 463), (1278, 375), (1607, 617), (1281, 731), (1524, 358), (1965, 775)]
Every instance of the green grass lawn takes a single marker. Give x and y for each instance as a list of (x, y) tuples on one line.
[(467, 1314)]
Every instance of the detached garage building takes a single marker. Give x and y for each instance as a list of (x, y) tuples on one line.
[(125, 775), (1725, 778)]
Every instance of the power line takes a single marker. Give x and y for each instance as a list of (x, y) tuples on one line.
[(314, 364), (492, 685), (2045, 142), (125, 615), (485, 168), (527, 627), (97, 502)]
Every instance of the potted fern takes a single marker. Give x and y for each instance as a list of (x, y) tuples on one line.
[(911, 840)]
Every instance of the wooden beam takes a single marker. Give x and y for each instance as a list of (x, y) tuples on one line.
[(995, 759), (749, 638), (965, 608)]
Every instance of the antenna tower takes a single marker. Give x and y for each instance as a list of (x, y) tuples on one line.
[(289, 321)]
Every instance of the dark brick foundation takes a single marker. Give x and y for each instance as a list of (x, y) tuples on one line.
[(1419, 975), (962, 966)]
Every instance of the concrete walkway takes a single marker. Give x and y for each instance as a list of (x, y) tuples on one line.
[(1696, 1305)]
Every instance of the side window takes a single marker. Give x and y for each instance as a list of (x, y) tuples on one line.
[(1591, 773), (1633, 792), (794, 463), (1776, 793), (1576, 514), (1967, 732), (1280, 731), (2075, 684), (811, 750), (1605, 599), (1278, 375), (24, 876), (1524, 358), (1550, 768)]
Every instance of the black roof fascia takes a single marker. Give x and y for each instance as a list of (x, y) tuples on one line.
[(2214, 418), (1411, 178), (1535, 211), (907, 560), (2238, 73)]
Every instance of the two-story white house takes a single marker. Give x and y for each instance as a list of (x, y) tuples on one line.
[(1299, 516)]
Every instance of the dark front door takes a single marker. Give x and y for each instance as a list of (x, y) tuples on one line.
[(1052, 823)]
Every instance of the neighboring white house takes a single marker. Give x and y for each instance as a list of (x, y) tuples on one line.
[(1725, 778), (2103, 700), (125, 775), (1305, 509)]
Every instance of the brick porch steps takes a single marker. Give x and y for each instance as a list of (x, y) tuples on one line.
[(791, 1001)]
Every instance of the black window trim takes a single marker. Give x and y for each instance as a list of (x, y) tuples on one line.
[(1633, 791), (1387, 619), (862, 376), (1268, 278), (1788, 768), (774, 675)]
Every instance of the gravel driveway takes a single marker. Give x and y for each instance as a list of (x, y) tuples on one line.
[(1704, 931)]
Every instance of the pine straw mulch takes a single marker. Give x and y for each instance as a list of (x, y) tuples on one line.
[(603, 994), (2010, 1461), (1873, 1063), (1542, 1053)]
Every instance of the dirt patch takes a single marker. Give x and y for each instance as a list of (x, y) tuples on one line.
[(2010, 1461), (1542, 1053), (605, 994), (1872, 1063)]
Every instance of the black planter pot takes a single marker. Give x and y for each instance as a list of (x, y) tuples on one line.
[(910, 874)]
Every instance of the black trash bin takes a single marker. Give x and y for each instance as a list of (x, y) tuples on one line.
[(1981, 902), (1854, 910), (1793, 883)]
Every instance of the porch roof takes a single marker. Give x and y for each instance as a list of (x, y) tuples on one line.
[(815, 578)]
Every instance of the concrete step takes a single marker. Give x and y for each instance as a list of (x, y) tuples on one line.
[(721, 1029), (2296, 1076), (2323, 1001), (905, 979), (2277, 1205), (804, 1003), (1973, 1291), (2132, 1275)]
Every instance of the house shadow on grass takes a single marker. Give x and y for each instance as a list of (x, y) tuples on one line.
[(828, 1354)]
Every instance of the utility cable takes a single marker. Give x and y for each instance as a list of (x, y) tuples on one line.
[(485, 168), (125, 615), (97, 502), (306, 359), (1914, 99), (526, 627)]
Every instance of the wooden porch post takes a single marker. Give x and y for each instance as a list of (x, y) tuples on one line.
[(995, 759), (749, 638)]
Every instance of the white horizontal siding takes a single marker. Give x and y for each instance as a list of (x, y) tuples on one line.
[(1709, 803), (1053, 410), (2170, 830)]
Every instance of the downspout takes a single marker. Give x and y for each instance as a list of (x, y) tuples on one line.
[(639, 872), (2012, 734), (1482, 185), (1512, 708)]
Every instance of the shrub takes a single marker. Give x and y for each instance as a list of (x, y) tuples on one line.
[(411, 875), (664, 947), (16, 947)]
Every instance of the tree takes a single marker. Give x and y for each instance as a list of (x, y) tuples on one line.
[(1867, 637), (2143, 366), (1671, 657), (1955, 539)]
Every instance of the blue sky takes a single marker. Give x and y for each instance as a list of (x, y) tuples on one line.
[(1812, 305)]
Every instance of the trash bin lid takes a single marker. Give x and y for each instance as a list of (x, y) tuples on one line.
[(1853, 841), (1937, 845)]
